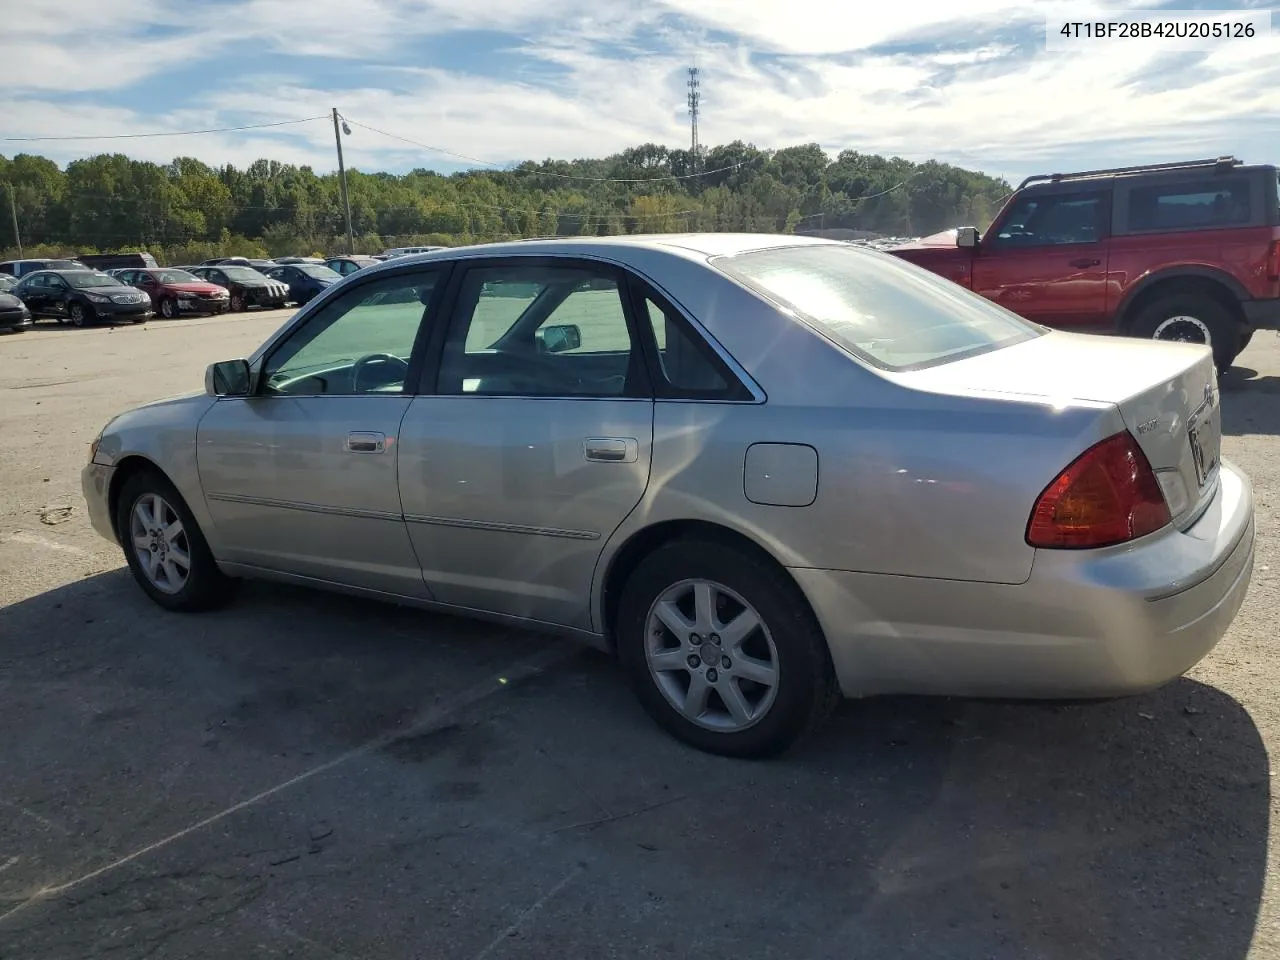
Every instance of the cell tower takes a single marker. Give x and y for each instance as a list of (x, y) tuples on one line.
[(695, 100)]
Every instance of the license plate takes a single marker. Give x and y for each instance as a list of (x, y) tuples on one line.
[(1204, 435)]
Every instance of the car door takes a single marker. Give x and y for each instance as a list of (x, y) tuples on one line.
[(300, 477), (31, 291), (1047, 257), (533, 444), (56, 294)]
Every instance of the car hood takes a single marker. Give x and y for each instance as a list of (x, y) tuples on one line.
[(935, 241), (199, 287), (114, 291)]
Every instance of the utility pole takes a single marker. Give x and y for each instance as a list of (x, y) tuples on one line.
[(342, 177), (13, 212), (695, 101)]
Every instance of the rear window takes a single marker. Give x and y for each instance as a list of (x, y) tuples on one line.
[(1192, 205), (888, 312)]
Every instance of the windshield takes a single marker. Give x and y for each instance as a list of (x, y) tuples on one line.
[(242, 273), (880, 308), (175, 276), (318, 272), (83, 280)]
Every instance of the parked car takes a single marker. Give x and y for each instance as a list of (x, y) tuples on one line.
[(306, 281), (764, 471), (405, 251), (255, 262), (282, 260), (20, 268), (81, 296), (1176, 251), (246, 287), (177, 292), (107, 262), (14, 315), (348, 265)]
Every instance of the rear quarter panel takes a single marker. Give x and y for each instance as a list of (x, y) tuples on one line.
[(1239, 254)]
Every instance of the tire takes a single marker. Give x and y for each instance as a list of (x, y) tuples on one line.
[(238, 304), (204, 585), (1189, 318), (79, 314), (770, 718), (169, 308)]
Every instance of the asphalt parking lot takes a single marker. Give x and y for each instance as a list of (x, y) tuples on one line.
[(302, 775)]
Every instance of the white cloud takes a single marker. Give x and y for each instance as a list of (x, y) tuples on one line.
[(606, 74)]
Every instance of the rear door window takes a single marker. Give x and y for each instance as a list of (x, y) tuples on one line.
[(1199, 204)]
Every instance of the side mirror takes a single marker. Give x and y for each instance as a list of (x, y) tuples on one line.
[(967, 237), (228, 378), (557, 339)]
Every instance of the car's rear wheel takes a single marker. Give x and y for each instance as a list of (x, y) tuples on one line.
[(168, 308), (1189, 318), (722, 649), (78, 314), (164, 547)]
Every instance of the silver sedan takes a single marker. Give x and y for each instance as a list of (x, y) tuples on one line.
[(765, 471)]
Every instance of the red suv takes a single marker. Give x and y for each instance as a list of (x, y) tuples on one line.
[(1177, 251), (175, 292)]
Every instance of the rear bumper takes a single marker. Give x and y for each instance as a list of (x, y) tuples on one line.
[(1085, 624), (1262, 314)]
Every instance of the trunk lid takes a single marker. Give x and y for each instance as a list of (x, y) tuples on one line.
[(1167, 395)]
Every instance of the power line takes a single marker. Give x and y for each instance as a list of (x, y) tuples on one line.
[(167, 133)]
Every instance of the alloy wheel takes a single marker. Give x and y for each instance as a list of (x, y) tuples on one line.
[(160, 543), (711, 655)]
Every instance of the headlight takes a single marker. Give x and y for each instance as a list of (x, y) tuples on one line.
[(98, 298), (186, 296)]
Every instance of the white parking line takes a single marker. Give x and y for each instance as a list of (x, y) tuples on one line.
[(37, 541), (519, 671)]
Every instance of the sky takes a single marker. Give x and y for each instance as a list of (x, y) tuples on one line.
[(500, 81)]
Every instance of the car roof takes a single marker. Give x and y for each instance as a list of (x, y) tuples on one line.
[(689, 245)]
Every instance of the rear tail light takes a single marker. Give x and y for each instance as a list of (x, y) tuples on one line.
[(1108, 495), (1273, 261)]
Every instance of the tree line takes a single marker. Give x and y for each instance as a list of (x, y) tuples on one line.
[(186, 210)]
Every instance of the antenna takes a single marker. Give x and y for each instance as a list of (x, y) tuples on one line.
[(695, 100)]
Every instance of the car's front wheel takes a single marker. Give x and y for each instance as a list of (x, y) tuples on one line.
[(164, 547), (238, 303), (169, 308), (79, 314), (722, 649)]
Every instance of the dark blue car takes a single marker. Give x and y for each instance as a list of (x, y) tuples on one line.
[(305, 280)]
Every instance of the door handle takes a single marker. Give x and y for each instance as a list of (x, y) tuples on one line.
[(611, 449), (360, 441), (1085, 262)]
